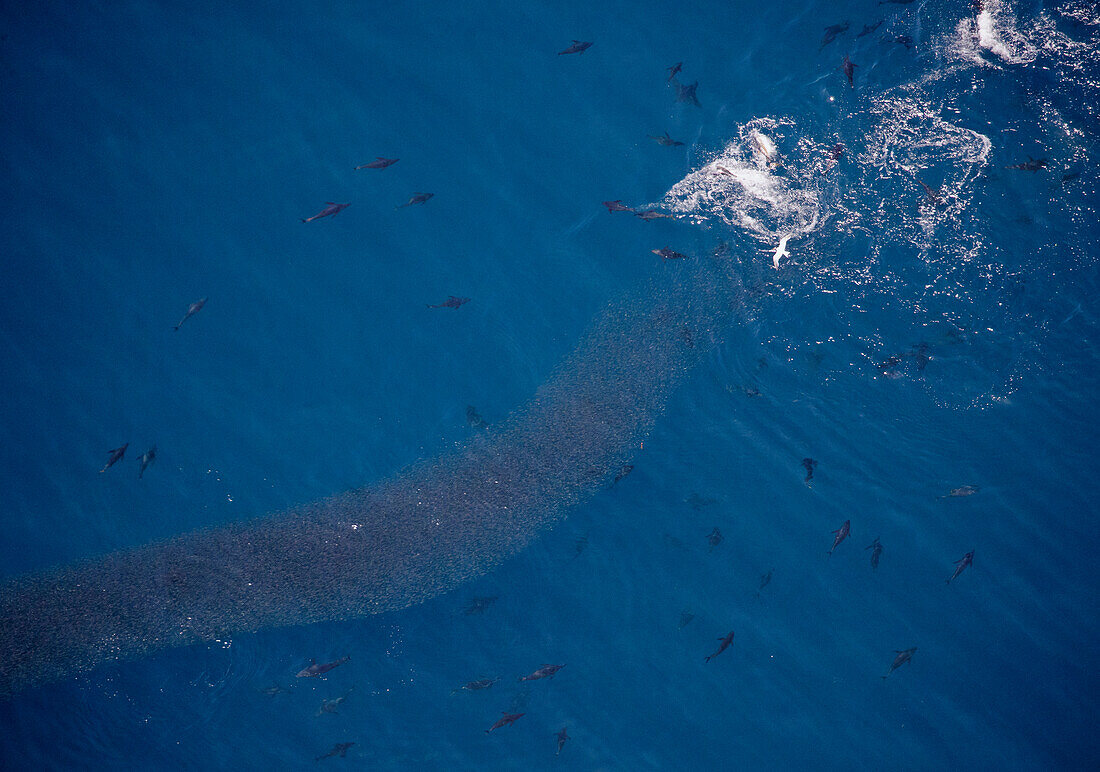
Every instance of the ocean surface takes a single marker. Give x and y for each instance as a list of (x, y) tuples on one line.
[(934, 326)]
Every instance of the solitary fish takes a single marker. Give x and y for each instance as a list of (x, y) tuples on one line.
[(474, 419), (116, 456), (147, 458), (1030, 165), (876, 553), (478, 605), (849, 70), (674, 70), (668, 254), (765, 580), (452, 301), (687, 93), (578, 47), (417, 198), (330, 706), (508, 718), (725, 644), (340, 749), (378, 163), (901, 658), (841, 534), (961, 564), (271, 691), (475, 686), (665, 140), (617, 206), (314, 670), (809, 465), (781, 251), (192, 309), (580, 546), (623, 472), (832, 31), (961, 492), (904, 40), (933, 196), (562, 737), (869, 28), (544, 671), (331, 208), (652, 214), (697, 502), (715, 538), (685, 618)]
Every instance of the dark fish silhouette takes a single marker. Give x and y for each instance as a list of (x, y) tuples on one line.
[(652, 214), (835, 152), (562, 737), (147, 458), (330, 209), (474, 419), (580, 546), (962, 563), (451, 302), (869, 28), (961, 491), (192, 309), (876, 553), (687, 93), (475, 686), (623, 472), (933, 196), (832, 31), (378, 163), (617, 206), (1030, 165), (271, 691), (116, 456), (330, 706), (674, 70), (478, 605), (544, 671), (578, 47), (1070, 177), (765, 580), (809, 464), (340, 749), (905, 40), (695, 501), (901, 658), (841, 534), (920, 353), (714, 538), (417, 198), (685, 618), (665, 140), (508, 718), (668, 254), (849, 70), (314, 670), (725, 644)]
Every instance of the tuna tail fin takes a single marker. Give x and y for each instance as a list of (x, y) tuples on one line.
[(707, 659)]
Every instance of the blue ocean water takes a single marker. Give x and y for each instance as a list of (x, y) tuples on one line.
[(912, 343)]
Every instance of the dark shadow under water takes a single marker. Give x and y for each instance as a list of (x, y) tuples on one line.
[(396, 543)]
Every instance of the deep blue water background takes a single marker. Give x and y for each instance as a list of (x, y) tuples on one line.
[(154, 154)]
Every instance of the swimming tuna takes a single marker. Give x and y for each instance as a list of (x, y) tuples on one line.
[(147, 458), (578, 47), (330, 706), (832, 31), (452, 301), (674, 70), (765, 580), (474, 419), (961, 492), (725, 644), (652, 214), (840, 534), (623, 472), (809, 465), (876, 553), (116, 456), (687, 93), (507, 718), (901, 658), (544, 671), (665, 140), (714, 538), (475, 686), (617, 206), (330, 209), (764, 149), (478, 605), (378, 163), (562, 737), (668, 254), (340, 749), (1030, 165), (314, 670), (417, 198), (849, 70), (192, 309), (961, 564), (869, 28)]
